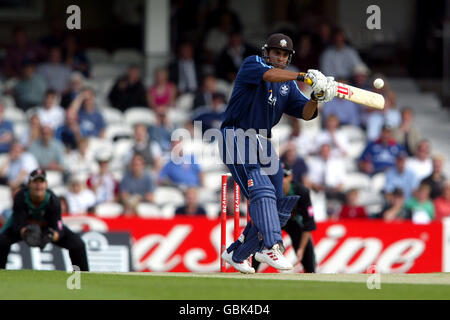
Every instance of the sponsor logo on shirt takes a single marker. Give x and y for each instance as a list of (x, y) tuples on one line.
[(284, 89), (250, 183)]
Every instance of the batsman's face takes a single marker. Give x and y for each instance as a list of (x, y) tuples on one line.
[(278, 58)]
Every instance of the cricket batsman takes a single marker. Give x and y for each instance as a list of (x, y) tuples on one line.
[(263, 91)]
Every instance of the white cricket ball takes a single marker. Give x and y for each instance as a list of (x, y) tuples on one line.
[(378, 83)]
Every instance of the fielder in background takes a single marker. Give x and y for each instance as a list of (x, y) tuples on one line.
[(301, 223), (262, 92), (36, 219)]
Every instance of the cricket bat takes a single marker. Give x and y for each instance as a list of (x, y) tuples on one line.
[(356, 95)]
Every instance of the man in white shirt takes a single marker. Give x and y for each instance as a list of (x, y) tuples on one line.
[(332, 136), (339, 60), (51, 114), (326, 173), (80, 200), (421, 163)]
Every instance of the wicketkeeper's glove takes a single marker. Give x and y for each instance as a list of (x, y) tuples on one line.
[(46, 237), (32, 235)]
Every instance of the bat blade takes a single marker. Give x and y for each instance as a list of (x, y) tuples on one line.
[(361, 96)]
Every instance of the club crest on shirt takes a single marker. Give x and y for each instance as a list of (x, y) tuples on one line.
[(284, 89)]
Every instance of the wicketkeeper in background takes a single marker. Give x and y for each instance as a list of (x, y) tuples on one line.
[(301, 223), (36, 219)]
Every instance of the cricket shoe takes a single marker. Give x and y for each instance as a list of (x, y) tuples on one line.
[(243, 266), (274, 257)]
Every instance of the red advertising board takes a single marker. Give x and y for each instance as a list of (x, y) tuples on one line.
[(192, 244)]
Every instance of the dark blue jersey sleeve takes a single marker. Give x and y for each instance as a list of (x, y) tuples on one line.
[(296, 102), (252, 70)]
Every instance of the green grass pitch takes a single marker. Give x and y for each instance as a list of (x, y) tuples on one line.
[(29, 284)]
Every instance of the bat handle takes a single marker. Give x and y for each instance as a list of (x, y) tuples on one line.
[(301, 77)]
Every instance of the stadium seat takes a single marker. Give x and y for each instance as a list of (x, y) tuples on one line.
[(96, 144), (128, 56), (168, 211), (9, 102), (135, 115), (111, 115), (54, 179), (6, 197), (213, 180), (178, 116), (60, 190), (212, 209), (281, 132), (108, 210), (121, 148), (20, 128), (148, 210), (165, 195), (107, 70), (356, 180), (3, 158), (185, 101), (378, 182), (15, 114), (118, 131), (319, 203), (207, 195), (97, 55)]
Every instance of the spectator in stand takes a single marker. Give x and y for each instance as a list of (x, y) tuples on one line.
[(394, 207), (77, 161), (406, 134), (361, 80), (75, 87), (181, 170), (161, 96), (437, 178), (351, 209), (421, 163), (296, 164), (211, 116), (218, 37), (103, 183), (191, 206), (334, 137), (51, 114), (306, 55), (32, 131), (80, 200), (161, 131), (19, 164), (327, 174), (303, 141), (48, 151), (184, 71), (30, 89), (91, 120), (231, 57), (128, 91), (442, 203), (204, 96), (70, 133), (74, 56), (6, 131), (149, 150), (340, 59), (56, 73), (223, 7), (18, 52), (389, 116), (399, 177), (379, 155), (347, 112), (136, 186), (420, 208), (322, 37)]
